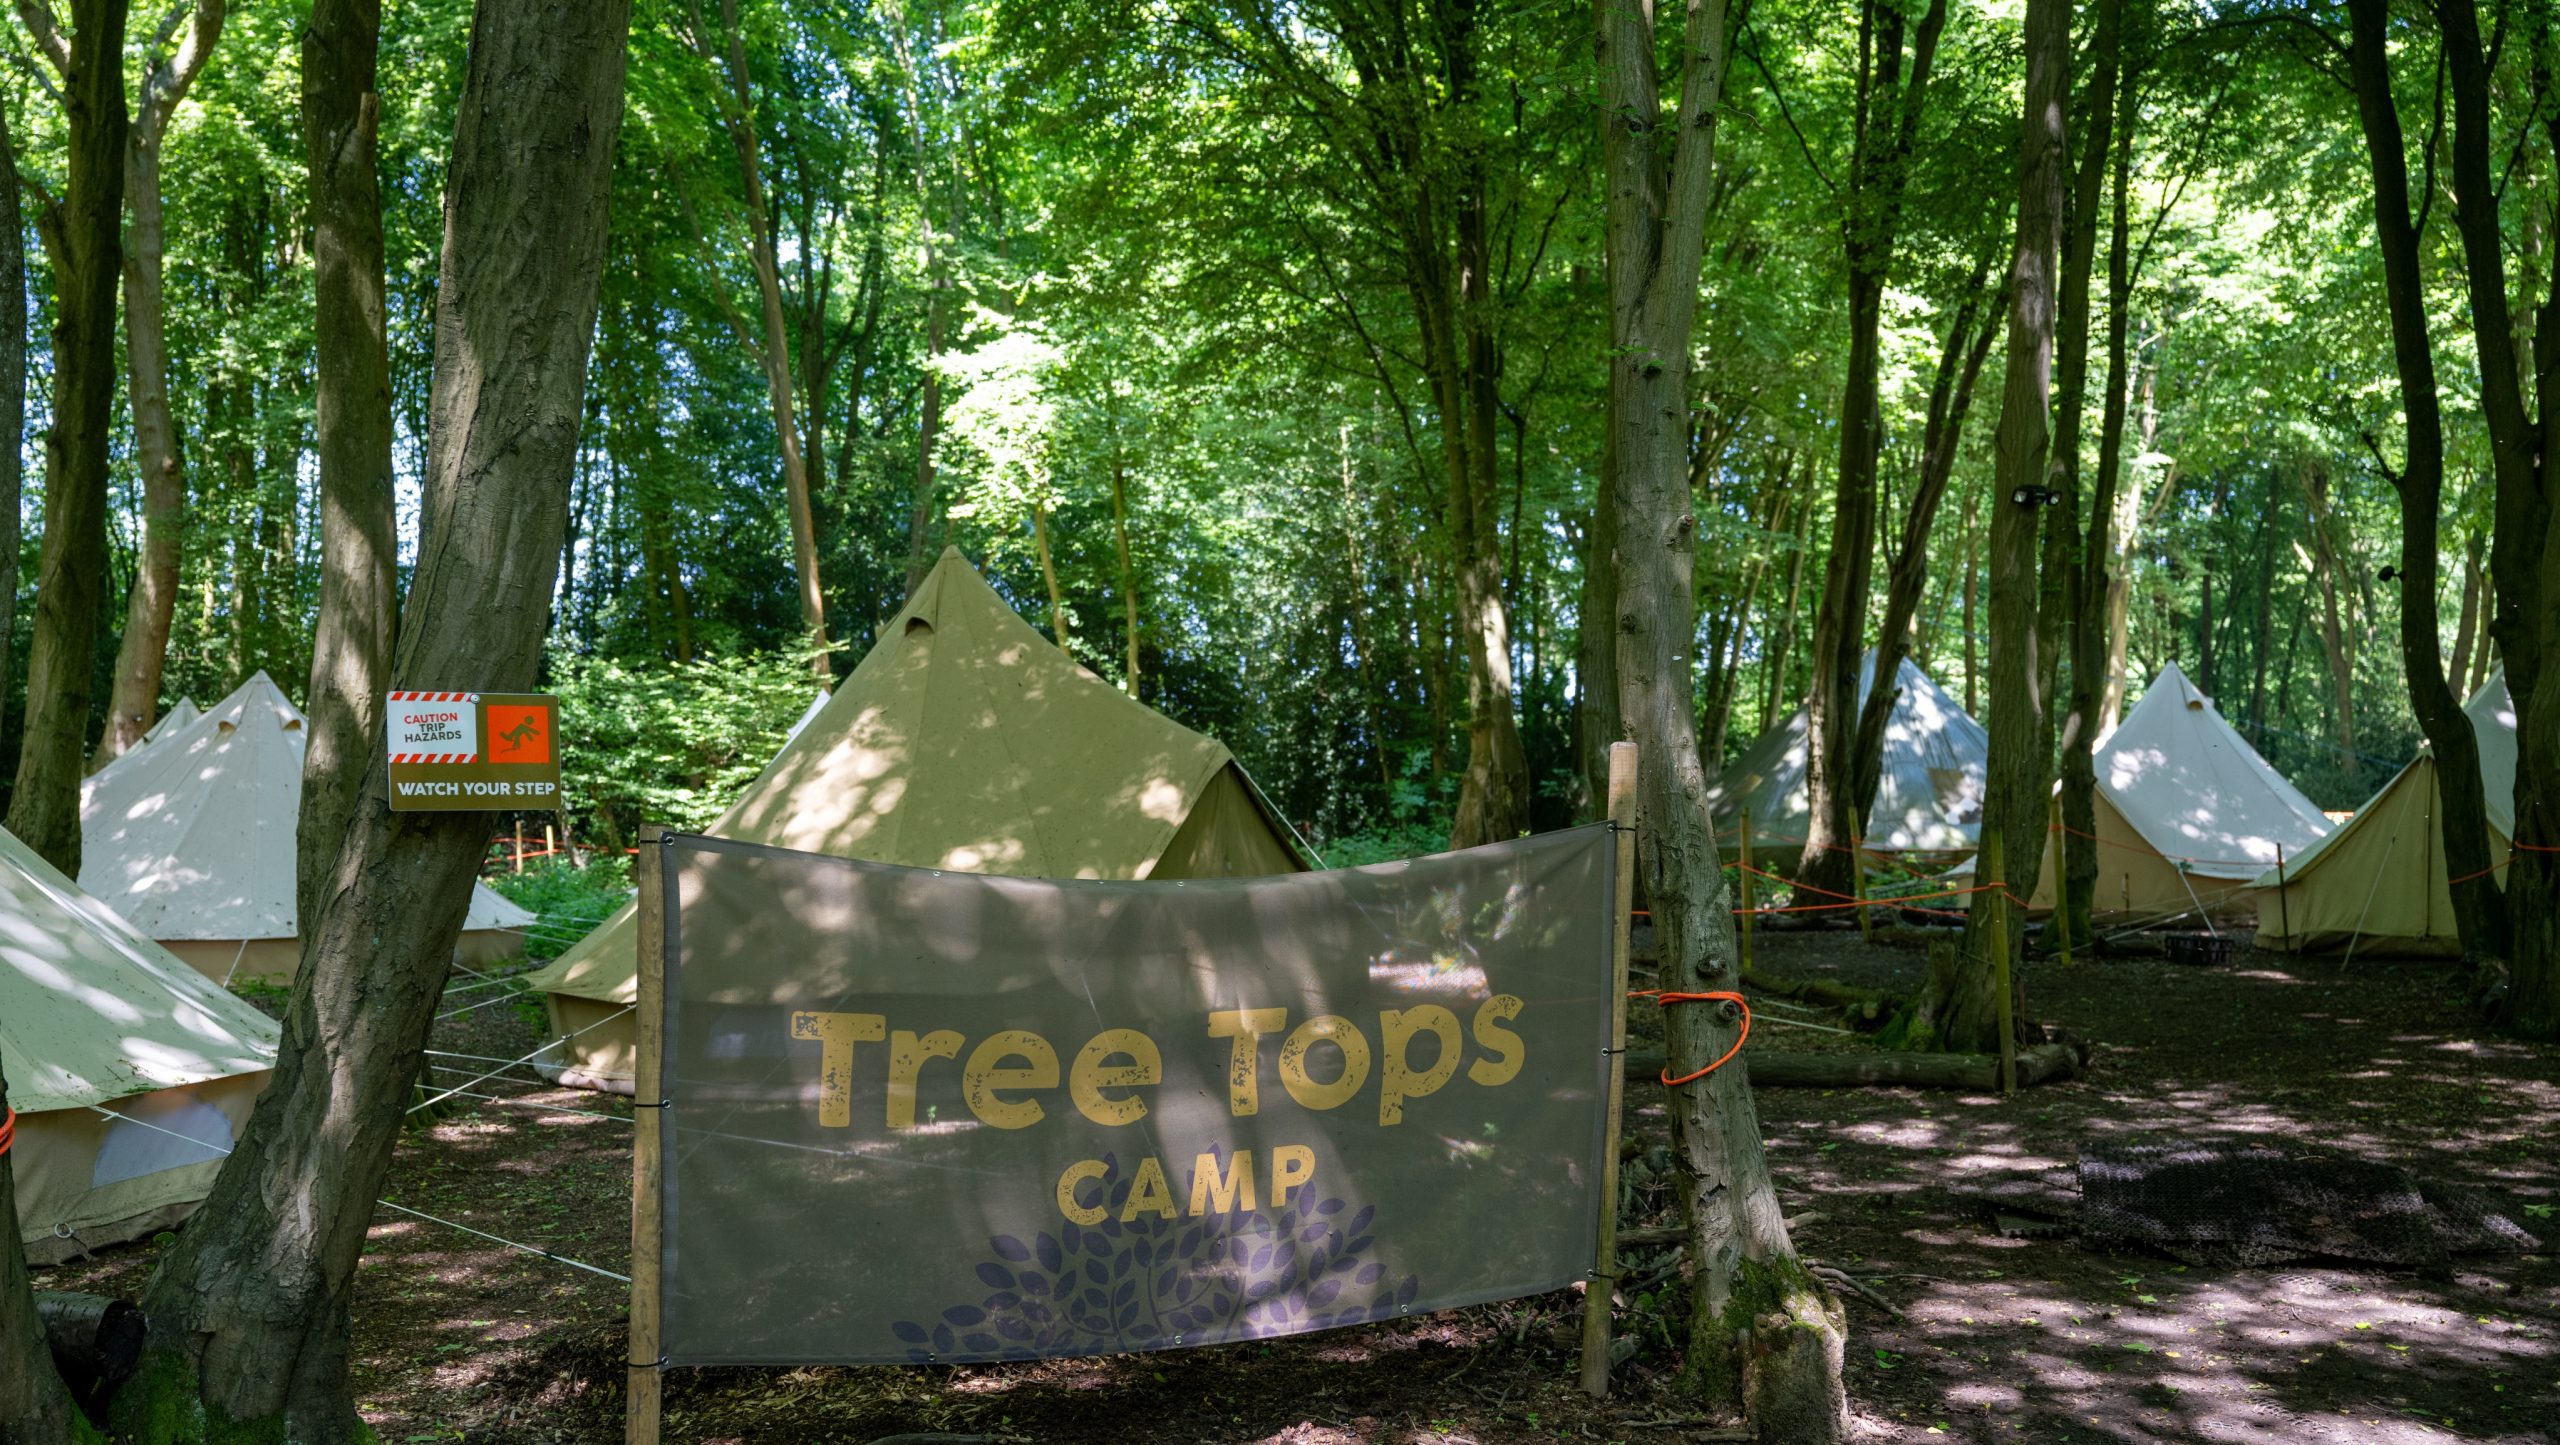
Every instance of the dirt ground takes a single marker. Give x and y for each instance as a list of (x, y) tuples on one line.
[(1997, 1339)]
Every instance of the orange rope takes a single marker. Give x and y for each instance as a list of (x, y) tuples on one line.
[(2483, 873), (1667, 998), (8, 1132)]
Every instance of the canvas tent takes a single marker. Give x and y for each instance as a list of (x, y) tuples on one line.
[(2188, 814), (1928, 798), (194, 843), (175, 720), (966, 741), (2380, 880), (94, 1016)]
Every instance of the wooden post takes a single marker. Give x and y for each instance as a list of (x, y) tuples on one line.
[(2284, 905), (1858, 888), (642, 1371), (1745, 878), (2000, 904), (519, 842), (2054, 849), (550, 842), (1604, 1274)]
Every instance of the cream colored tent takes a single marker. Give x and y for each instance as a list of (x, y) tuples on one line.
[(193, 842), (1928, 798), (94, 1016), (2380, 880), (175, 720), (965, 740), (2188, 814)]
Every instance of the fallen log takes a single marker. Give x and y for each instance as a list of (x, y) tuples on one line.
[(1772, 1069), (1864, 1005)]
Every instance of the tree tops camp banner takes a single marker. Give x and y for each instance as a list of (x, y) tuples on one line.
[(918, 1116)]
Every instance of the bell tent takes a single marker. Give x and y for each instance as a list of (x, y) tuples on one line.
[(175, 720), (2380, 881), (1928, 798), (193, 842), (2188, 814), (965, 740), (132, 1073)]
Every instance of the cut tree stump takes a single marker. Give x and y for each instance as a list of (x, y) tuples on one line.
[(1771, 1069)]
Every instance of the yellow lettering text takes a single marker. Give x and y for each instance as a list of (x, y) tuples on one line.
[(836, 1035), (1344, 1035), (1491, 1015), (1215, 1190), (1291, 1166), (1077, 1173), (1148, 1191), (908, 1053), (981, 1077), (1094, 1073), (1397, 1081), (1246, 1026)]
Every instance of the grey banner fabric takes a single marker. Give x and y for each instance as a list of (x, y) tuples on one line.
[(920, 1116)]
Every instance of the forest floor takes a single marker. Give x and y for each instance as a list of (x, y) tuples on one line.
[(1998, 1339)]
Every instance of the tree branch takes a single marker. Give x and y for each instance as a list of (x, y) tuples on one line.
[(47, 32)]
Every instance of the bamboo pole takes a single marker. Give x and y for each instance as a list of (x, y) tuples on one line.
[(1745, 878), (2060, 855), (1604, 1274), (644, 1374), (2002, 1008)]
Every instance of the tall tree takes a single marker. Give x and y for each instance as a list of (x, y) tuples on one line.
[(351, 652), (35, 1405), (1886, 128), (249, 1314), (81, 239), (724, 51), (13, 396), (2016, 776), (1763, 1334), (2522, 543), (134, 703)]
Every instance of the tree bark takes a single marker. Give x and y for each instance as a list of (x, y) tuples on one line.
[(2336, 619), (2465, 633), (1763, 1334), (1887, 125), (769, 338), (71, 573), (2014, 802), (351, 650), (1950, 399), (134, 702), (2478, 905), (35, 1404), (13, 402), (249, 1314), (1120, 547), (1597, 719), (1058, 630), (2526, 617)]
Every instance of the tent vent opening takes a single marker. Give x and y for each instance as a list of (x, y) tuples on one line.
[(226, 728), (916, 625), (293, 724)]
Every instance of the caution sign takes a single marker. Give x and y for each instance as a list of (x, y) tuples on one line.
[(459, 751)]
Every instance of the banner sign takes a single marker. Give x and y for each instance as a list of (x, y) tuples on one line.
[(461, 751), (928, 1117)]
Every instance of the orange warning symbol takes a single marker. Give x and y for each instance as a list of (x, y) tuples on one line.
[(519, 734)]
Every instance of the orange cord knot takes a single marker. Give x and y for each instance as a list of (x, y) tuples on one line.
[(1667, 998)]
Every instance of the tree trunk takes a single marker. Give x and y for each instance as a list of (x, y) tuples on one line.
[(359, 544), (1763, 1334), (1597, 720), (134, 702), (249, 1313), (13, 405), (1972, 596), (1950, 399), (2089, 587), (2336, 622), (71, 574), (929, 419), (1049, 574), (1120, 546), (2526, 618), (1781, 658), (2014, 802), (2478, 905), (769, 339), (35, 1405), (1888, 118), (2465, 633)]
